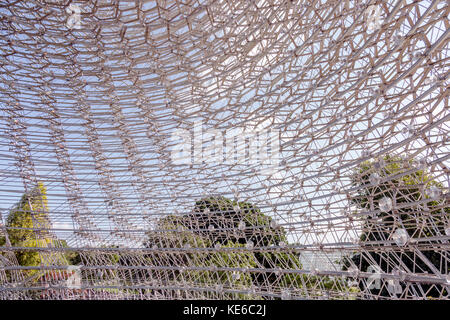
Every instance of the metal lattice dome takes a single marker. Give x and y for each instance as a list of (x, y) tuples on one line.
[(224, 149)]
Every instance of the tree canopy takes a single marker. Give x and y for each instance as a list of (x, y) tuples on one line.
[(226, 224), (27, 226), (405, 206)]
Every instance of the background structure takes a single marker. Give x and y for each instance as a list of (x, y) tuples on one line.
[(224, 149)]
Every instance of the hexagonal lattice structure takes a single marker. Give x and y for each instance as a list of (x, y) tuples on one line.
[(224, 149)]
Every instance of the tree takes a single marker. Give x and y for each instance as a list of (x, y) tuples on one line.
[(24, 224), (218, 221), (192, 263), (28, 225), (224, 221), (72, 257), (396, 186), (223, 215)]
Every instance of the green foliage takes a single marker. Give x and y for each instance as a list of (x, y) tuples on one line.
[(407, 188), (317, 286), (72, 257), (184, 244), (405, 181), (193, 265), (27, 226), (193, 231), (23, 220), (30, 212), (223, 213)]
